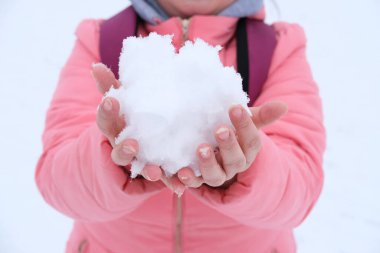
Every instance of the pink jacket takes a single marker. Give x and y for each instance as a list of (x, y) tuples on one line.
[(257, 214)]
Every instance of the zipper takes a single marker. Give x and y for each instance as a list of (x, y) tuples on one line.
[(185, 29), (177, 200), (178, 223)]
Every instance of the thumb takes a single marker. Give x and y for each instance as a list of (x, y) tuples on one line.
[(268, 113)]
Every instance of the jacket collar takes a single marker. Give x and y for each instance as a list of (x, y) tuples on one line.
[(215, 30)]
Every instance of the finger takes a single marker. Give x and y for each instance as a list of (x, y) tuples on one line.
[(211, 171), (268, 113), (123, 153), (188, 178), (152, 172), (233, 158), (174, 184), (109, 120), (247, 133), (104, 77)]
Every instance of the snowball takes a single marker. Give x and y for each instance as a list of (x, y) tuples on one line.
[(173, 102)]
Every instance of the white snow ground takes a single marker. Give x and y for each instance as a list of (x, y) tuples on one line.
[(344, 50)]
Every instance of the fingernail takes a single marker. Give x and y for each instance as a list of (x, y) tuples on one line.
[(107, 105), (204, 152), (184, 178), (223, 133), (237, 112), (128, 150)]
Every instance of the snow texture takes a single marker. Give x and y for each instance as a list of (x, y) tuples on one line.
[(173, 102)]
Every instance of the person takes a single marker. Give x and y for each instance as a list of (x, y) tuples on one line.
[(260, 185)]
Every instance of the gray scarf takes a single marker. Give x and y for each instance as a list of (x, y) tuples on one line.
[(151, 11)]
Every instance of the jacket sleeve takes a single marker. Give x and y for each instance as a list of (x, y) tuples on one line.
[(75, 173), (285, 180)]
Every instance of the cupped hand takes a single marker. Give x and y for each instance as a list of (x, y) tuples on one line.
[(236, 150), (111, 123)]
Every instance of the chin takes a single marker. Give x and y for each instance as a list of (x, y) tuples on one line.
[(188, 8), (200, 7)]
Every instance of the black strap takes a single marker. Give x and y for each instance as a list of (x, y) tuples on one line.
[(242, 52)]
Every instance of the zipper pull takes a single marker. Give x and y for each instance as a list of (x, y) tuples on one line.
[(185, 29)]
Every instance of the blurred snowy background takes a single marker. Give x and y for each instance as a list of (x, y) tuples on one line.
[(344, 49)]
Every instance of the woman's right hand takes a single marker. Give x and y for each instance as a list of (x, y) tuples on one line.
[(111, 123)]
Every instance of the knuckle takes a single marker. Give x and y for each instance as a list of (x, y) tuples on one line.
[(254, 144), (245, 124), (236, 164), (229, 145)]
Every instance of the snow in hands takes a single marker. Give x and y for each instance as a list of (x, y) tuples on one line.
[(173, 102)]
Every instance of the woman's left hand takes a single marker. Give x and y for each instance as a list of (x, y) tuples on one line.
[(236, 151)]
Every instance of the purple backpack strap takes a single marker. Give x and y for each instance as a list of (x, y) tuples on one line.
[(256, 42), (112, 33)]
